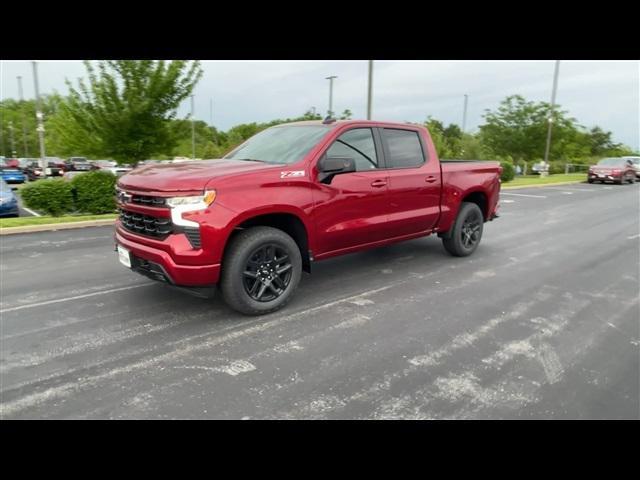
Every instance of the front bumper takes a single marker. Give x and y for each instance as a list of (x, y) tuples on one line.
[(605, 177), (7, 209), (159, 265)]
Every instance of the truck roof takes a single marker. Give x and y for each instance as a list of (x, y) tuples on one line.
[(343, 122)]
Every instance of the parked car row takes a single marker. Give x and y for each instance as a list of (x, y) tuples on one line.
[(20, 170)]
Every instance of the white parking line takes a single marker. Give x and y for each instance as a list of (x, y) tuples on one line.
[(31, 212), (523, 195), (507, 201), (633, 236), (59, 300)]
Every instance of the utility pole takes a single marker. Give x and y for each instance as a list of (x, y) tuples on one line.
[(24, 123), (193, 132), (464, 113), (211, 111), (39, 116), (11, 140), (369, 90), (331, 93), (550, 120)]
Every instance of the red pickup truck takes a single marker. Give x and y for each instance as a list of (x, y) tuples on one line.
[(293, 194)]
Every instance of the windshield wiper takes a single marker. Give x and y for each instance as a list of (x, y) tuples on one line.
[(249, 160)]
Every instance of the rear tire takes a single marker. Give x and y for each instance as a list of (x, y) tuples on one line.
[(250, 281), (466, 232), (590, 180)]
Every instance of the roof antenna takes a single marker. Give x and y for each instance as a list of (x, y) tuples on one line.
[(328, 120)]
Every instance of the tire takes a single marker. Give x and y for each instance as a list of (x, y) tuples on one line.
[(459, 244), (590, 180), (249, 270)]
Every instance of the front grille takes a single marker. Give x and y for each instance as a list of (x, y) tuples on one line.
[(148, 200), (146, 224)]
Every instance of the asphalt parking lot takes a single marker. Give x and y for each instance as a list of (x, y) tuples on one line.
[(542, 322)]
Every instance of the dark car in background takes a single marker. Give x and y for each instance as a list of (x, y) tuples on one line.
[(8, 201), (23, 163), (616, 170), (12, 175), (34, 171), (79, 164)]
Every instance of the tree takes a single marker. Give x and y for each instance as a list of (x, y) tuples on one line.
[(518, 128), (12, 112), (447, 140), (346, 115), (124, 111)]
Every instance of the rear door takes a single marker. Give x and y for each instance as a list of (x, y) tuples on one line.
[(414, 181), (353, 209)]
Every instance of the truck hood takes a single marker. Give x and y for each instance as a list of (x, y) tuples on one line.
[(186, 176)]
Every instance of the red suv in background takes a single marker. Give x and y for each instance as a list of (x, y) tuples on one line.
[(617, 170)]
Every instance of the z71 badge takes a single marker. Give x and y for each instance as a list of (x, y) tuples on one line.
[(291, 174)]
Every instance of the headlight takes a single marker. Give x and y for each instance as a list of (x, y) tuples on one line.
[(180, 205), (202, 201)]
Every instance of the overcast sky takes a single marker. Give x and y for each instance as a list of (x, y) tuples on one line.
[(604, 93)]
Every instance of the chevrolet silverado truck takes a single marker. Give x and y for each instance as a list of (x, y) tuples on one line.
[(250, 223)]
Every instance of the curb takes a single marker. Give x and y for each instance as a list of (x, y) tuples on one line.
[(540, 185), (56, 226)]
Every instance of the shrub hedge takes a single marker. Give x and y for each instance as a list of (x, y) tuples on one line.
[(53, 197), (94, 192), (508, 171)]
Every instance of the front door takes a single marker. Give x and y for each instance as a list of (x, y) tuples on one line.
[(353, 209)]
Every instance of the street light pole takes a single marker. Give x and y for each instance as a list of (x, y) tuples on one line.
[(193, 133), (331, 93), (39, 116), (464, 113), (11, 140), (24, 123), (553, 104), (369, 90)]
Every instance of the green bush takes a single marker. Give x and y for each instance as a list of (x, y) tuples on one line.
[(53, 197), (94, 192), (556, 167), (508, 171)]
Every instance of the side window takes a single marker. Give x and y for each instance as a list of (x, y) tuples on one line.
[(405, 149), (357, 144)]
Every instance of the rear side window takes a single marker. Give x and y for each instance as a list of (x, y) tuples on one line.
[(404, 147), (357, 144)]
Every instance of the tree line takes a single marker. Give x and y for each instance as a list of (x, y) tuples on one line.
[(126, 110)]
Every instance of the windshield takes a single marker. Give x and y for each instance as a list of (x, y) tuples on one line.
[(611, 162), (281, 145)]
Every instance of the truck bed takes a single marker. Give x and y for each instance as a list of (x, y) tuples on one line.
[(461, 177)]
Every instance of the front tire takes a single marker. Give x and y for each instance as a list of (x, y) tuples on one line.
[(466, 232), (261, 270)]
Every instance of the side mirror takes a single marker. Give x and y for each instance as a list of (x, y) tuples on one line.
[(331, 166)]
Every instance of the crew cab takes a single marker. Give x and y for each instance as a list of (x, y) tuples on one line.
[(294, 194)]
